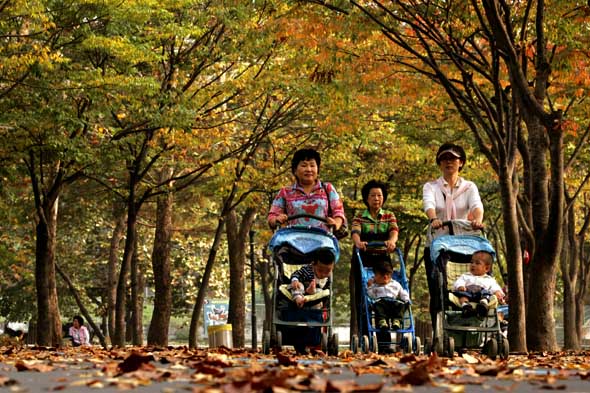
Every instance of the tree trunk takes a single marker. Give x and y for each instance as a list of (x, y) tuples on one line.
[(516, 333), (266, 285), (547, 221), (540, 312), (569, 275), (120, 306), (193, 331), (111, 289), (136, 298), (237, 239), (48, 317), (583, 272), (353, 307), (159, 325)]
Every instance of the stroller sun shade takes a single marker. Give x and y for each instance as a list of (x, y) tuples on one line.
[(305, 240), (464, 245)]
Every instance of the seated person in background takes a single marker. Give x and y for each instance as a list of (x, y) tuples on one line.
[(477, 286), (18, 334), (380, 288), (310, 282), (78, 332)]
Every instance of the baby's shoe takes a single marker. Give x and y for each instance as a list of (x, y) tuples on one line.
[(396, 324), (383, 324), (467, 310), (482, 308)]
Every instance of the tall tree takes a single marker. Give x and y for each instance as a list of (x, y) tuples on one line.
[(237, 237), (158, 330), (44, 124)]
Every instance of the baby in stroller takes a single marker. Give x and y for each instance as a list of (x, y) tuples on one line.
[(477, 286), (464, 295), (304, 304), (310, 282), (383, 291)]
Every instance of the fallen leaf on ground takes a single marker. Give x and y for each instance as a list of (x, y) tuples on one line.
[(134, 362), (22, 365)]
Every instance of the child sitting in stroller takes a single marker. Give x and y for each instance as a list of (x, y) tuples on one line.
[(477, 286), (308, 301), (389, 302), (310, 282), (381, 289)]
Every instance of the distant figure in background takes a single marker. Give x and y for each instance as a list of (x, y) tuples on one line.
[(78, 332), (19, 334)]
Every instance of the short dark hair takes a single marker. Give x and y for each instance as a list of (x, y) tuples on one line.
[(305, 155), (79, 319), (323, 256), (489, 257), (369, 186), (383, 268), (453, 148)]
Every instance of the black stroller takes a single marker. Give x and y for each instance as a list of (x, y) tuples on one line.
[(293, 247), (404, 338), (450, 256)]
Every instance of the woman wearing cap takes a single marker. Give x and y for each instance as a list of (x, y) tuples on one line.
[(307, 196), (450, 197)]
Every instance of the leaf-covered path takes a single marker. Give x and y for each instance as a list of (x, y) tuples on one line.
[(222, 370)]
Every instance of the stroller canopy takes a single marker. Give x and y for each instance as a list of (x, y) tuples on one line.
[(306, 240), (464, 245)]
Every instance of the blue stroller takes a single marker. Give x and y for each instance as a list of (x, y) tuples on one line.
[(293, 247), (450, 256), (372, 338)]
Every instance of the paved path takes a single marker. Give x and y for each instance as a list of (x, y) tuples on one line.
[(181, 370)]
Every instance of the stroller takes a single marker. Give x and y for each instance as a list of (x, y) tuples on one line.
[(293, 247), (404, 338), (450, 257)]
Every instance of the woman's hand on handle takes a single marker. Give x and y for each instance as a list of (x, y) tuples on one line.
[(476, 218), (278, 220), (476, 224), (390, 245), (436, 223), (336, 222), (361, 245)]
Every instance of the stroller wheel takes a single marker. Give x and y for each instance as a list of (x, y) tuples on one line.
[(324, 343), (266, 342), (354, 344), (374, 343), (407, 346), (437, 346), (366, 348), (491, 348), (333, 345), (417, 346), (504, 348), (450, 344), (279, 344), (427, 346)]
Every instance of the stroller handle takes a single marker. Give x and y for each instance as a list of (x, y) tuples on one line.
[(313, 216), (464, 226), (377, 244), (305, 215)]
